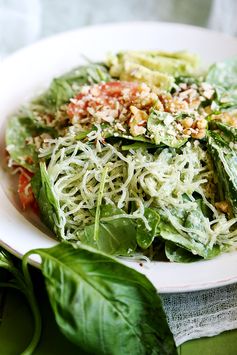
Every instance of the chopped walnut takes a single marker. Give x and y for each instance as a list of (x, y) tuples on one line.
[(223, 206), (110, 102), (200, 134), (201, 123), (187, 122), (137, 121)]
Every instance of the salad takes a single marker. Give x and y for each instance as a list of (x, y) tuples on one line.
[(134, 156)]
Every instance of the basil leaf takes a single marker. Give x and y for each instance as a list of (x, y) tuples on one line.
[(5, 260), (47, 201), (21, 281), (103, 306), (127, 139), (177, 254), (144, 236), (115, 237)]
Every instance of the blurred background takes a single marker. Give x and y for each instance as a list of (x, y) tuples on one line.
[(24, 21)]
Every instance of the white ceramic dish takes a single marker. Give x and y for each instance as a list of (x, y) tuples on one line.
[(26, 72)]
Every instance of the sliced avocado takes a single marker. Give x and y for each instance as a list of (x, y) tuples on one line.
[(153, 67)]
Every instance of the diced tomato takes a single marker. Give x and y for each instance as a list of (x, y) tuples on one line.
[(115, 88), (25, 190), (106, 94)]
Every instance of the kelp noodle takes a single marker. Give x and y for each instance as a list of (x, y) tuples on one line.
[(157, 180)]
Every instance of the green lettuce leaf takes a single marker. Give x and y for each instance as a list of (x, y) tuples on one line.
[(115, 237), (103, 306), (223, 76), (145, 237), (193, 219), (177, 254), (47, 201), (226, 131), (68, 85), (19, 132), (159, 127), (225, 161)]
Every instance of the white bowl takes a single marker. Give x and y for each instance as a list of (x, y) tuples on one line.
[(26, 72)]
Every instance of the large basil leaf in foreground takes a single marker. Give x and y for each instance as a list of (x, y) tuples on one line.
[(103, 306)]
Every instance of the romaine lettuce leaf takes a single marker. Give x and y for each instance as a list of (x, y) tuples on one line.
[(48, 201), (225, 160), (144, 236), (103, 306), (162, 127), (177, 254), (20, 132), (68, 85), (168, 232), (223, 76)]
